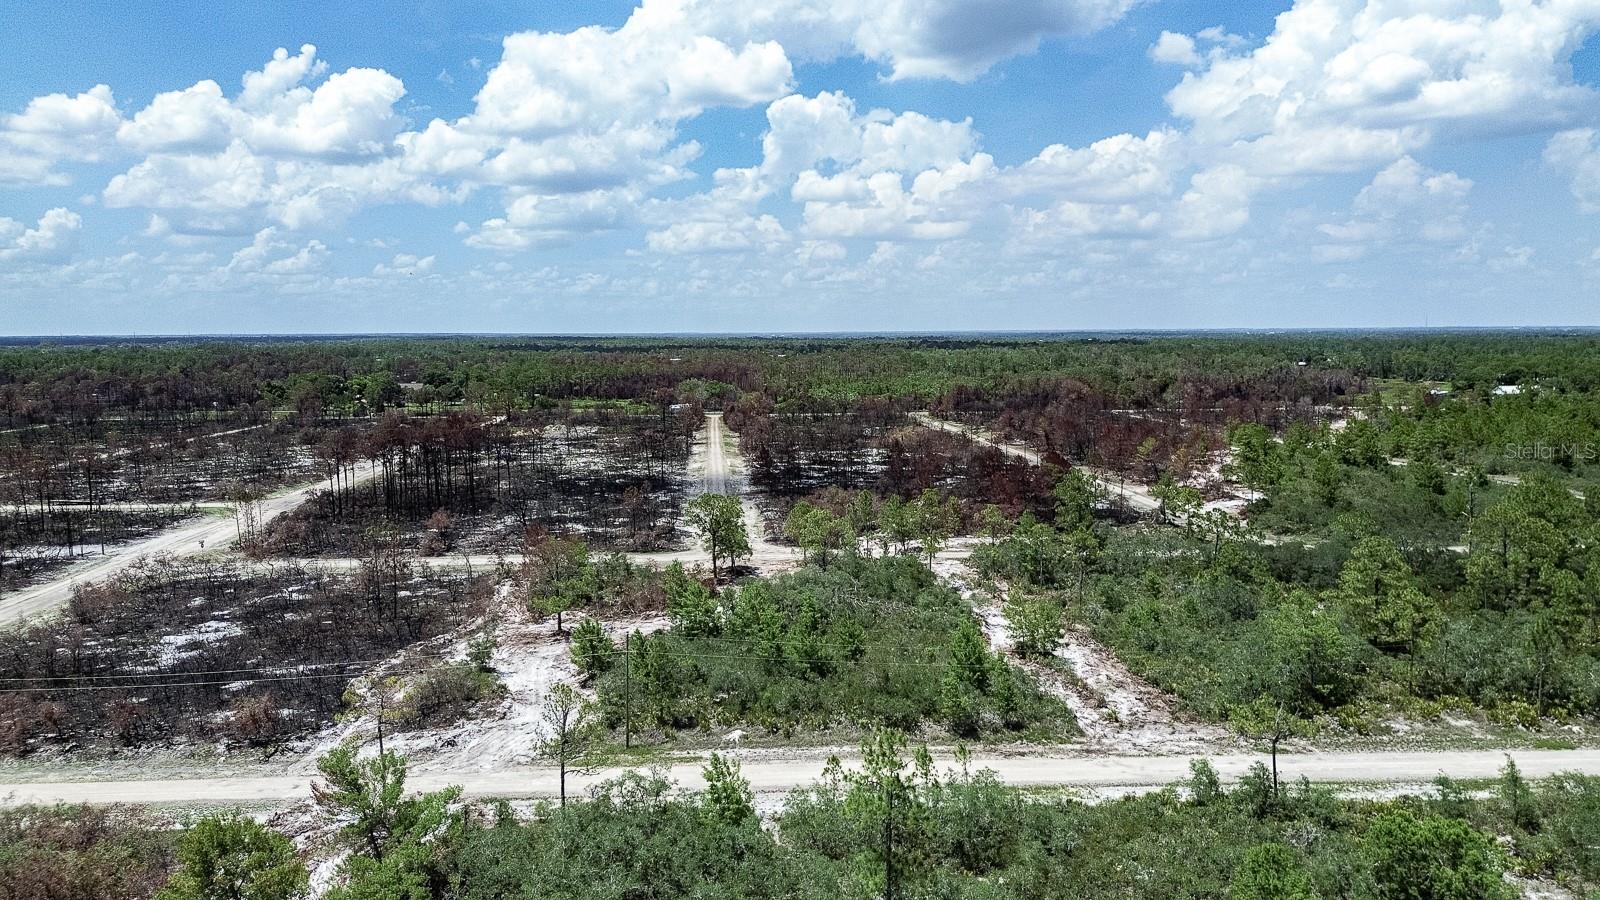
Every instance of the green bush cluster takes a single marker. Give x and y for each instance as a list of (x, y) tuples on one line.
[(864, 642)]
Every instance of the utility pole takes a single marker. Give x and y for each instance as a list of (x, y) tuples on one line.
[(381, 698), (889, 892), (627, 691)]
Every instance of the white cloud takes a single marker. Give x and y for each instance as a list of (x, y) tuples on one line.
[(75, 127), (348, 116), (876, 174), (197, 118), (270, 87), (282, 151), (1117, 168), (744, 233), (404, 265), (534, 219), (1175, 49), (1217, 203), (53, 239), (591, 112), (53, 129), (1575, 153), (1406, 204), (270, 258), (1343, 84)]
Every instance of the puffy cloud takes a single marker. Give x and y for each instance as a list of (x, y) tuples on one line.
[(592, 112), (1406, 204), (26, 169), (281, 152), (350, 115), (1576, 154), (534, 219), (1217, 203), (874, 156), (54, 129), (1175, 49), (197, 118), (232, 181), (404, 264), (267, 256), (53, 239), (1407, 184), (1343, 84), (1117, 168), (76, 127), (873, 174), (743, 233), (270, 86), (550, 83)]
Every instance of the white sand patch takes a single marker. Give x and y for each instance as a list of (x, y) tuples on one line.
[(1116, 709), (176, 648)]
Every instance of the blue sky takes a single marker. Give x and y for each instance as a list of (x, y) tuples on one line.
[(701, 165)]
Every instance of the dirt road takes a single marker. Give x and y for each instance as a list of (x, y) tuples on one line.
[(121, 506), (1135, 495), (716, 476), (189, 538), (770, 775), (715, 467)]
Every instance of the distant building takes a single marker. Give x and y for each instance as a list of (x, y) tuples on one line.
[(1507, 390)]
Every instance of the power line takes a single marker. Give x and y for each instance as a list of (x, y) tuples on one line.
[(290, 667), (615, 652), (189, 684)]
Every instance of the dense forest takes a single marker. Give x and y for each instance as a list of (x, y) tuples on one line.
[(1243, 376)]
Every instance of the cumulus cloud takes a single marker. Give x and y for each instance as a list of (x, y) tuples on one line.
[(534, 219), (857, 174), (404, 265), (53, 129), (1405, 204), (593, 112), (197, 118), (1175, 49), (282, 151), (1117, 168), (53, 239), (1344, 84), (269, 257), (1576, 154), (583, 132), (716, 236)]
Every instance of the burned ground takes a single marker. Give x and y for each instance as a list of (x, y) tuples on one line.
[(200, 652), (463, 483), (154, 461), (35, 542)]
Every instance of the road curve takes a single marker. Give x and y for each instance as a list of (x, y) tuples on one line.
[(771, 776)]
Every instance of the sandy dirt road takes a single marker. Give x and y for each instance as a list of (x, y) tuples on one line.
[(1135, 495), (189, 538), (715, 467), (127, 506), (718, 468), (770, 775)]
